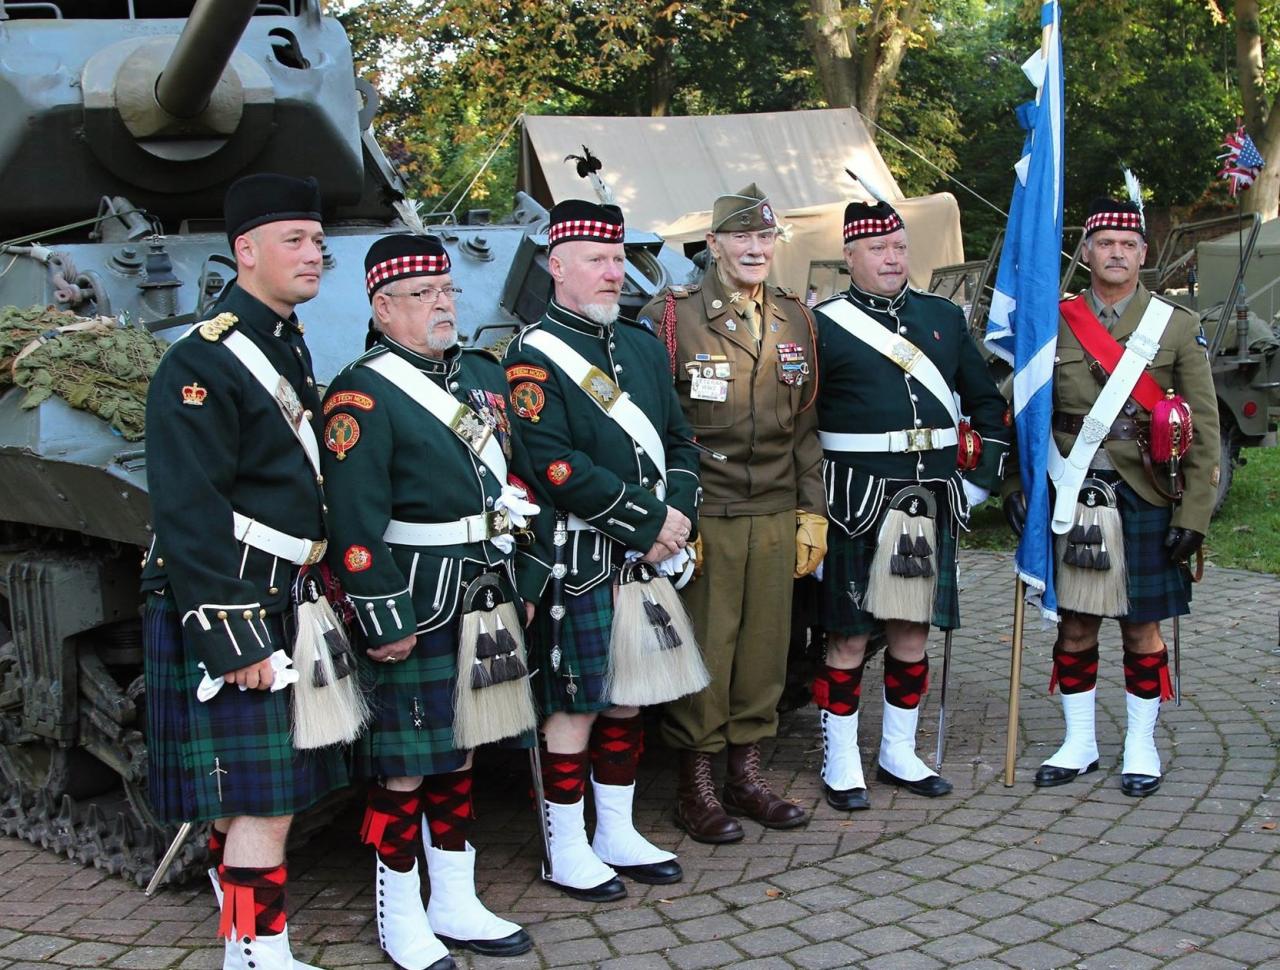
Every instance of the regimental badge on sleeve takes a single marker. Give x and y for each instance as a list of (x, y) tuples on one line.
[(341, 434), (529, 400)]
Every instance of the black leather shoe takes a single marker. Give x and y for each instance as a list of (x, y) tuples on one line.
[(1139, 786), (509, 946), (606, 892), (1050, 776), (850, 800), (653, 874), (934, 786)]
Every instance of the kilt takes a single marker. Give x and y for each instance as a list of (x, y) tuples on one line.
[(231, 755), (412, 729), (584, 653), (1158, 588), (847, 569)]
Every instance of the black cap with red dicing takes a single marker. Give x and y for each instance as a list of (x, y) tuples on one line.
[(1107, 213), (392, 258), (577, 219), (862, 221)]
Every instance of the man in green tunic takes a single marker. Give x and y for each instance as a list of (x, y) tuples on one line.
[(893, 361), (237, 507), (418, 441), (743, 358), (623, 476)]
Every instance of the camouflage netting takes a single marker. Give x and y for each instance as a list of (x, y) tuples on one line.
[(93, 364)]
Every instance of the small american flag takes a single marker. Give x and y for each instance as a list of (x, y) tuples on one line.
[(1241, 162)]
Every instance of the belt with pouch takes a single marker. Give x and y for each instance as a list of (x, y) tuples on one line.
[(1122, 429), (892, 442), (471, 528), (300, 552)]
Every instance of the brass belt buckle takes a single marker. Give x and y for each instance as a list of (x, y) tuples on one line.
[(316, 552), (919, 439)]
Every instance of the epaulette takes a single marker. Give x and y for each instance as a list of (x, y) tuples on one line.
[(215, 329), (684, 291)]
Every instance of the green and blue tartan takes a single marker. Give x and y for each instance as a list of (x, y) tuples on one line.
[(847, 569), (1158, 588), (584, 653), (412, 729), (231, 755)]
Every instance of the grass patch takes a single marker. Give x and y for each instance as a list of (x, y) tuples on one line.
[(1245, 534)]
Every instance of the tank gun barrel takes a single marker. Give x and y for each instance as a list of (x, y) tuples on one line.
[(201, 55)]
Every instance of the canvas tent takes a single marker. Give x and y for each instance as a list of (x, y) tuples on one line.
[(666, 172), (1219, 259)]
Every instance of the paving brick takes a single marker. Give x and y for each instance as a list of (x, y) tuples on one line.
[(767, 942), (827, 926), (960, 948), (821, 956), (1249, 948), (717, 927), (34, 947), (647, 961), (697, 956), (884, 939)]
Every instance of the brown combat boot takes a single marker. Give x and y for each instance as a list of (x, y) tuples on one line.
[(747, 793), (698, 810)]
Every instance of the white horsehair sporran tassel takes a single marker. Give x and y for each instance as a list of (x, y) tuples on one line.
[(904, 575), (492, 698), (1093, 576), (653, 654), (328, 705)]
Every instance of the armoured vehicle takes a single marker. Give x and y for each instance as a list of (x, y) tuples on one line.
[(122, 122), (1227, 279)]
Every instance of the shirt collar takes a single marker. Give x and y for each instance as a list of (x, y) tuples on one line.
[(1118, 307), (874, 301)]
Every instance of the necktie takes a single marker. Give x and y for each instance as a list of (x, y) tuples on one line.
[(753, 322)]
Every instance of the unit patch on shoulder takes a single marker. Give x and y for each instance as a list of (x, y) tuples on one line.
[(528, 400), (558, 472), (352, 398), (341, 434), (518, 371), (357, 559)]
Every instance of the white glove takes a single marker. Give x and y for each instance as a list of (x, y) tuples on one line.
[(514, 500), (281, 666), (974, 493)]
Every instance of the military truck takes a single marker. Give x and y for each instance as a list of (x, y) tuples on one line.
[(1213, 266), (122, 122)]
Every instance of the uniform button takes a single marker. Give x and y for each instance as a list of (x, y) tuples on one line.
[(918, 422), (324, 508), (453, 385), (391, 604), (612, 345), (310, 382), (902, 330), (222, 614), (262, 614), (920, 468), (483, 471), (319, 479), (488, 502), (274, 590), (307, 414), (248, 614), (915, 397), (160, 561), (617, 368), (644, 482), (298, 351)]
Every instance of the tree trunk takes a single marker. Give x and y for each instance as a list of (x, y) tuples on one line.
[(661, 82), (833, 54), (1262, 120)]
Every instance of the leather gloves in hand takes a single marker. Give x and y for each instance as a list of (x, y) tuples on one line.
[(1015, 512), (811, 542), (1182, 543)]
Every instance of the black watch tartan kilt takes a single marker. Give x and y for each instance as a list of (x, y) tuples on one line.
[(231, 755), (411, 732), (578, 686), (847, 569), (1158, 588)]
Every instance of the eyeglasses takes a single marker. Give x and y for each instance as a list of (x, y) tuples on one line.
[(430, 294)]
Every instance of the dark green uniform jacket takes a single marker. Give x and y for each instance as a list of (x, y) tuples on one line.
[(772, 446), (1180, 364), (591, 467), (864, 392), (385, 458), (218, 442)]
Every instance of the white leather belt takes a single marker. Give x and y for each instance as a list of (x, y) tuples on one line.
[(912, 439), (473, 528), (300, 552)]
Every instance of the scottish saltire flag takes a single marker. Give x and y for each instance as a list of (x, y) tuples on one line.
[(1023, 324), (1241, 162)]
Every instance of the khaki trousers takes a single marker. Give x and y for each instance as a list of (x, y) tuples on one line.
[(741, 612)]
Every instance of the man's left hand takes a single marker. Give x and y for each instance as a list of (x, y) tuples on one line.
[(811, 542), (1182, 543)]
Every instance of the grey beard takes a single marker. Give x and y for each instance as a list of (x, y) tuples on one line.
[(601, 313), (443, 343)]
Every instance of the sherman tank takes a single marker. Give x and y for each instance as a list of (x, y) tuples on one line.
[(122, 122)]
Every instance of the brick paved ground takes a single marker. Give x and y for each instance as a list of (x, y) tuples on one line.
[(1078, 876)]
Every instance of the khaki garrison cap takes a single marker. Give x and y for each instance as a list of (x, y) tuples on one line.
[(747, 210)]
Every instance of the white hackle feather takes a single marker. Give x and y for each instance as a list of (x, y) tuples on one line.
[(1134, 188), (875, 191), (408, 211)]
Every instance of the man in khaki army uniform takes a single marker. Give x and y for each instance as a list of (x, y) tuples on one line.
[(1163, 512), (742, 354)]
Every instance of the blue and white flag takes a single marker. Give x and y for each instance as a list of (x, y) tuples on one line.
[(1023, 324)]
